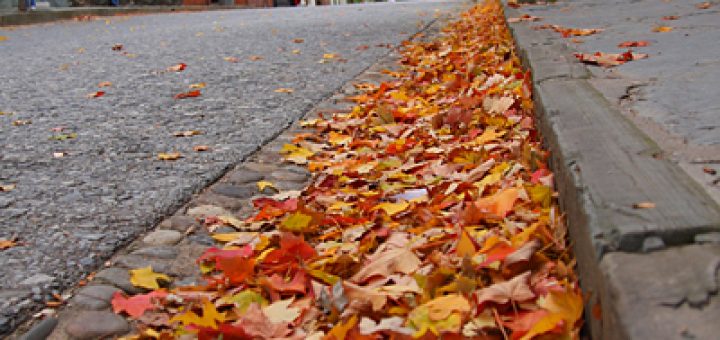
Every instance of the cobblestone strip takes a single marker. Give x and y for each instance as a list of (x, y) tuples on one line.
[(173, 246)]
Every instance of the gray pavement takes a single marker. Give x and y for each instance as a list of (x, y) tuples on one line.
[(672, 95), (71, 212), (635, 153)]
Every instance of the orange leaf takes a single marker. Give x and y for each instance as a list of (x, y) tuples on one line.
[(465, 246), (135, 306), (341, 329), (96, 94), (500, 203), (177, 67), (190, 94)]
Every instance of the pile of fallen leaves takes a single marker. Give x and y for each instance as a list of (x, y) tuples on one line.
[(431, 214)]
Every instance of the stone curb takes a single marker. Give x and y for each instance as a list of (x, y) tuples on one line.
[(45, 16), (175, 243), (604, 165)]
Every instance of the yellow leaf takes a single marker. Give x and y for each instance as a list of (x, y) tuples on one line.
[(227, 237), (197, 86), (284, 90), (265, 184), (544, 325), (339, 332), (296, 51), (329, 56), (540, 194), (662, 29), (209, 318), (244, 299), (338, 139), (3, 38), (465, 246), (296, 154), (297, 222), (440, 308), (568, 304), (490, 134), (146, 278), (170, 156), (392, 208)]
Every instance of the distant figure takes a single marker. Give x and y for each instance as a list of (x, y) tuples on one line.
[(30, 4)]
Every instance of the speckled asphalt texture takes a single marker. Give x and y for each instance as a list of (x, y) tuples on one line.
[(70, 213)]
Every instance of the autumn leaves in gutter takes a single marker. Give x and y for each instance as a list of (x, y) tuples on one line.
[(431, 213)]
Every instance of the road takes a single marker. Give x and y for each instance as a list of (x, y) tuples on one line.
[(86, 173)]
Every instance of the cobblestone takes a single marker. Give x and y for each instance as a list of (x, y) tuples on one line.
[(94, 325)]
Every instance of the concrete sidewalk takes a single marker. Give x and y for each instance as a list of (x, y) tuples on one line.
[(636, 151)]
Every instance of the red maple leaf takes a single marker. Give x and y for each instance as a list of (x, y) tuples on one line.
[(135, 306)]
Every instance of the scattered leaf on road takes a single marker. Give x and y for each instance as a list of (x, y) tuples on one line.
[(169, 156), (96, 94), (177, 67), (644, 205), (626, 44), (662, 29), (105, 84), (189, 94), (284, 90), (187, 133)]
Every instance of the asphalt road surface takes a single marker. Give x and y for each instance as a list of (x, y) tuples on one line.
[(85, 170)]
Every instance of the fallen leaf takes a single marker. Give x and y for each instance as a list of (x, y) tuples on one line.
[(177, 67), (7, 187), (59, 154), (21, 122), (662, 29), (643, 205), (96, 94), (135, 306), (392, 208), (231, 59), (386, 263), (201, 148), (609, 59), (256, 58), (117, 47), (4, 243), (187, 133), (197, 86), (284, 90), (169, 156), (262, 185), (704, 5), (105, 84), (281, 312), (189, 94), (298, 40), (670, 17), (516, 289), (295, 51), (626, 44), (210, 317), (524, 18), (146, 278), (63, 136), (329, 56), (297, 222), (3, 38)]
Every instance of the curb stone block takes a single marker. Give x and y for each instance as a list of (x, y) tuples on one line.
[(94, 325)]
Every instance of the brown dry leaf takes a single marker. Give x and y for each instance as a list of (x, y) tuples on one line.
[(516, 289), (231, 59), (201, 148), (524, 18), (7, 187), (704, 5), (6, 244), (187, 133), (644, 205), (256, 58), (386, 263), (298, 40)]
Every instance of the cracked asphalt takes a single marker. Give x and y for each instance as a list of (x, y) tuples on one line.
[(71, 213)]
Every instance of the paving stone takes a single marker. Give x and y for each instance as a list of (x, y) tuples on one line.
[(206, 210), (100, 292), (117, 277), (95, 325), (163, 237), (87, 302), (667, 294), (160, 252), (138, 261), (244, 176), (289, 176), (228, 203), (235, 191), (41, 330), (261, 167), (179, 223)]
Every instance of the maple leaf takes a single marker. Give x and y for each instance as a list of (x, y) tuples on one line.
[(244, 299), (236, 269), (146, 278), (399, 260), (281, 312), (515, 289), (296, 154), (257, 325), (297, 222), (298, 283), (96, 94), (392, 208), (135, 306), (291, 248), (262, 185), (210, 317)]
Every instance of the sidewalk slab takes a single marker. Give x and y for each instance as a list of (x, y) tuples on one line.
[(604, 166)]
